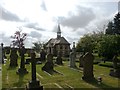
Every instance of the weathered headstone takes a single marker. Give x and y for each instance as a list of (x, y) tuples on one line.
[(8, 50), (88, 66), (13, 58), (22, 69), (2, 53), (116, 68), (43, 55), (48, 67), (73, 56), (34, 83), (59, 59), (81, 61)]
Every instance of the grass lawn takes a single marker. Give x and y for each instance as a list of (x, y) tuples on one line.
[(68, 79), (0, 77)]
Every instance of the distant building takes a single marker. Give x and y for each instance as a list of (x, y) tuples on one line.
[(58, 45)]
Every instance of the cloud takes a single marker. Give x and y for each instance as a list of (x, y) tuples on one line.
[(34, 26), (80, 18), (8, 16), (35, 34), (4, 39), (43, 5)]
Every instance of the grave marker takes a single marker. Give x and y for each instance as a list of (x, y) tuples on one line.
[(48, 67), (88, 66), (22, 69), (81, 61), (34, 83), (116, 67), (59, 59), (73, 56)]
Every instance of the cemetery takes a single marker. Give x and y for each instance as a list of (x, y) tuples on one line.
[(91, 63), (28, 70)]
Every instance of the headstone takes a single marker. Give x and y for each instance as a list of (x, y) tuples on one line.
[(28, 61), (59, 59), (2, 53), (81, 61), (13, 58), (34, 83), (43, 55), (8, 50), (48, 67), (88, 66), (116, 68), (73, 57), (22, 69)]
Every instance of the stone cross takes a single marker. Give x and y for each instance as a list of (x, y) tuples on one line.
[(34, 83), (88, 66), (73, 57)]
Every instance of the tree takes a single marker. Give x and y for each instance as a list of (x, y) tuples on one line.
[(114, 27), (18, 39), (38, 46), (89, 42), (109, 29), (109, 46), (85, 44), (117, 24)]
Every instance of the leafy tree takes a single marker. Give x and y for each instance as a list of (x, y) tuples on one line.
[(109, 46), (89, 42), (85, 44), (38, 46)]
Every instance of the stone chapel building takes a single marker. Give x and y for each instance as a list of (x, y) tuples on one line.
[(58, 45)]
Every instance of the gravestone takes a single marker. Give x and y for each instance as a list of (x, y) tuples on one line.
[(13, 58), (2, 53), (59, 59), (34, 83), (116, 67), (22, 69), (73, 56), (8, 50), (81, 61), (28, 61), (48, 67), (88, 66), (43, 55)]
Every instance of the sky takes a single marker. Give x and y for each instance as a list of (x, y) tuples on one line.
[(40, 18)]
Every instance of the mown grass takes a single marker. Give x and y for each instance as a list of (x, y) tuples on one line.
[(68, 78), (0, 77)]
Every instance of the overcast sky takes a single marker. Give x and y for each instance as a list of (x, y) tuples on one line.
[(39, 18)]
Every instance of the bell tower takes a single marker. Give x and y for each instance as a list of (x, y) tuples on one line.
[(58, 32)]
